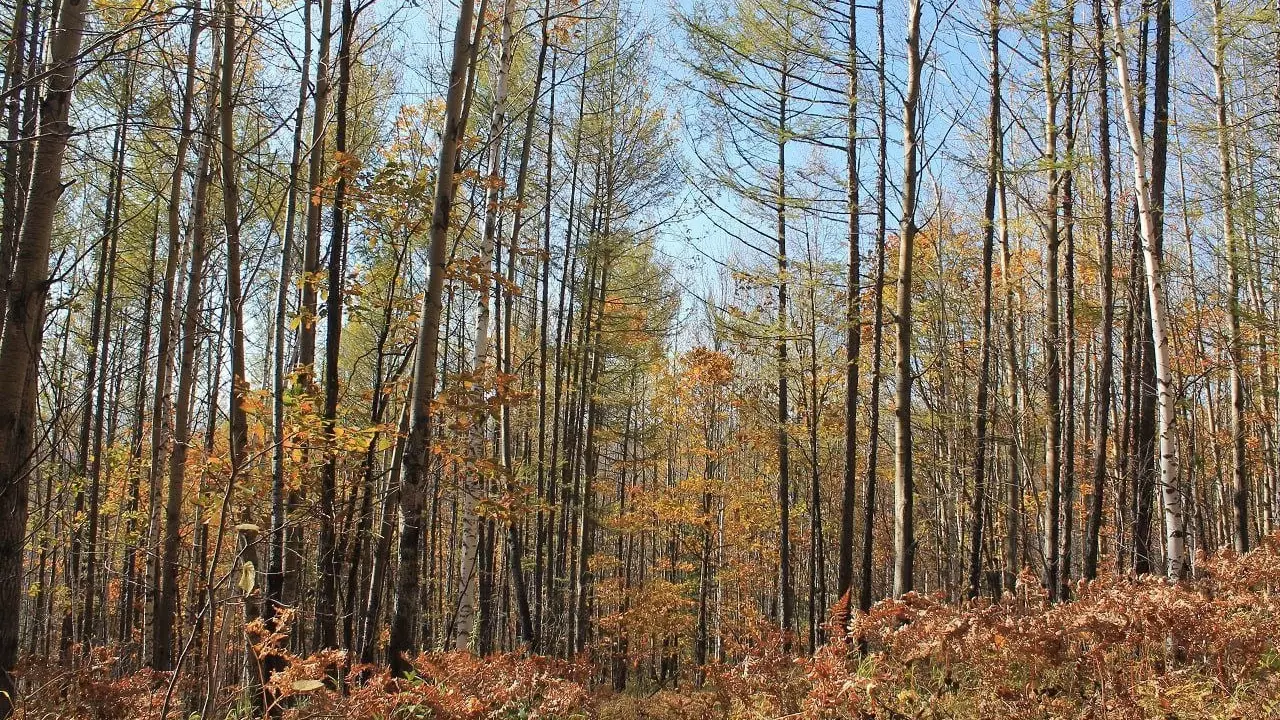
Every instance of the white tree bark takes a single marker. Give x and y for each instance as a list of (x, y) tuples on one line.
[(1170, 495), (472, 485)]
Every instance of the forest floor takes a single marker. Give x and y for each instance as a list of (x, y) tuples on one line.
[(1120, 648)]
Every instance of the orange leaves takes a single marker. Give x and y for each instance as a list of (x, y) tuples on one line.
[(348, 164), (708, 367), (1022, 657), (493, 182), (475, 272), (1103, 654), (453, 686)]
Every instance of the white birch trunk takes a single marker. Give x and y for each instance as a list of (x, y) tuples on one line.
[(1170, 495), (472, 484)]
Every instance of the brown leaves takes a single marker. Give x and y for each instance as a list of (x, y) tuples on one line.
[(1123, 648)]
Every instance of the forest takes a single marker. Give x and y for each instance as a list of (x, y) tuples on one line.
[(739, 359)]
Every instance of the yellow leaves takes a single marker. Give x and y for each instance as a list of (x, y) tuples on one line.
[(353, 440), (120, 13), (474, 271), (305, 686), (248, 577)]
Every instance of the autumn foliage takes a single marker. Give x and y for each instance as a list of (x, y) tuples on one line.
[(1120, 648)]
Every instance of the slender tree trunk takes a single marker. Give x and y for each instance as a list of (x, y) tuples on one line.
[(1013, 503), (311, 270), (1240, 481), (545, 479), (129, 584), (86, 502), (166, 605), (706, 571), (586, 518), (564, 331), (515, 540), (977, 510), (15, 184), (904, 484), (867, 570), (1053, 335), (785, 584), (327, 557), (817, 545), (238, 427), (1142, 459), (24, 332), (1069, 338), (1102, 399), (405, 614), (853, 328), (275, 579), (471, 490), (382, 551), (1170, 494), (112, 238), (160, 403)]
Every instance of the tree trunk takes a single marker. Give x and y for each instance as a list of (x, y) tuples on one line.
[(853, 329), (161, 427), (417, 445), (473, 486), (904, 549), (1240, 482), (1053, 365), (867, 570), (785, 584), (311, 271), (1171, 496), (24, 332), (1069, 340), (1102, 399), (995, 146), (167, 600), (275, 579), (327, 557), (15, 183), (112, 237)]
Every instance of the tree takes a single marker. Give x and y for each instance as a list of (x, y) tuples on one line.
[(995, 130), (417, 446), (24, 331), (1053, 332), (1171, 496), (853, 322), (1240, 482), (1102, 424), (904, 540), (166, 606)]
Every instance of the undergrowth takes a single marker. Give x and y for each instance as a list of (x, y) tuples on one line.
[(1120, 648)]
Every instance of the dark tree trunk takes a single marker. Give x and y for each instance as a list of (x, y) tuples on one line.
[(24, 332), (407, 606), (995, 147), (1102, 397)]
